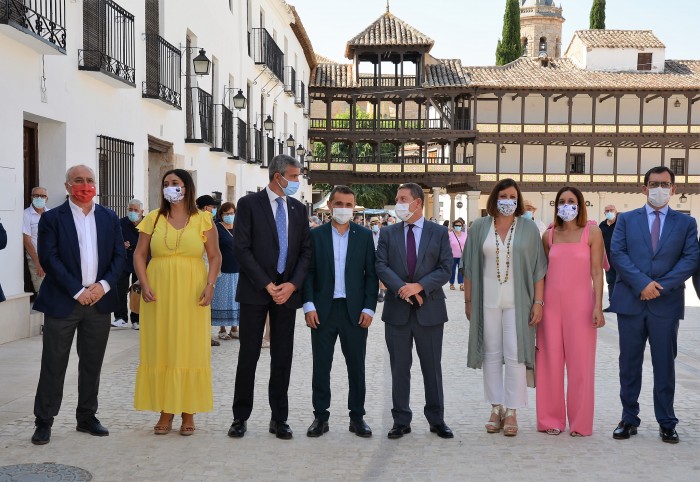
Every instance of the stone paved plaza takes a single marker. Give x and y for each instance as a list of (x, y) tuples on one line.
[(132, 452)]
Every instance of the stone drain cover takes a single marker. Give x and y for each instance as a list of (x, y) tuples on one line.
[(48, 472)]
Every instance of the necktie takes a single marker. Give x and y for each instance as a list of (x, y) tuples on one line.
[(655, 231), (411, 252), (281, 222)]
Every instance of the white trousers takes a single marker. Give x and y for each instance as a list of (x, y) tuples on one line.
[(501, 344)]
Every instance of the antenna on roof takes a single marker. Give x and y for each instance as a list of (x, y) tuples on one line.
[(387, 6)]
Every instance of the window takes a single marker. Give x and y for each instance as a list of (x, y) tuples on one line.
[(577, 164), (525, 45), (644, 61), (543, 44), (678, 166), (116, 173)]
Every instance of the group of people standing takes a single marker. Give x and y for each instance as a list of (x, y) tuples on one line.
[(534, 302)]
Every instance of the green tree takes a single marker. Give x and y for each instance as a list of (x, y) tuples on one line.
[(598, 15), (509, 46)]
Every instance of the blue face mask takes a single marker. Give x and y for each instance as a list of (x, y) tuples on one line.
[(458, 229), (133, 217), (213, 212), (527, 215), (39, 202), (292, 187), (228, 218)]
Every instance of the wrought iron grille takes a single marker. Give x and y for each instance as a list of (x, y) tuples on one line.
[(108, 40), (300, 97), (223, 129), (44, 19), (258, 145), (200, 113), (290, 80), (267, 52), (116, 173), (280, 147), (270, 150), (242, 139), (162, 71)]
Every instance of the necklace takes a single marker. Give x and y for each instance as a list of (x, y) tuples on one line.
[(227, 230), (178, 236), (498, 252)]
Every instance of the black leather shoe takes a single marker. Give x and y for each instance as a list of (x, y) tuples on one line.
[(360, 428), (238, 429), (42, 433), (442, 430), (668, 435), (317, 428), (398, 431), (93, 427), (624, 430), (281, 430)]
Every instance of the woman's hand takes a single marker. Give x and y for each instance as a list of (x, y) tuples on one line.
[(468, 310), (535, 314), (207, 295), (598, 318), (147, 293)]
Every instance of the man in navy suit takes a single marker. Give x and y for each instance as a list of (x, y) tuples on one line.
[(82, 252), (654, 250), (414, 260)]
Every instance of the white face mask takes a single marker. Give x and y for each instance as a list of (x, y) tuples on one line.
[(375, 228), (609, 216), (567, 212), (527, 215), (342, 215), (507, 206), (659, 196), (403, 211), (173, 194)]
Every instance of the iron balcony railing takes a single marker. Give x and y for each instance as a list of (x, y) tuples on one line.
[(370, 80), (162, 71), (108, 41), (43, 19), (242, 139), (390, 159), (270, 151), (223, 129), (300, 96), (258, 147), (266, 52), (387, 124), (290, 80), (200, 117)]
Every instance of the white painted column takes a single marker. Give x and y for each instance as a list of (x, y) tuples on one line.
[(473, 212), (452, 208), (436, 203), (601, 207)]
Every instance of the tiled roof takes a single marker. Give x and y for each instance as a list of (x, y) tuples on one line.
[(303, 37), (333, 74), (528, 73), (619, 39), (388, 30), (446, 73)]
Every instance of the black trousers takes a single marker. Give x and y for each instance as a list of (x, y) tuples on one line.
[(610, 278), (251, 329), (93, 333), (353, 342), (123, 292)]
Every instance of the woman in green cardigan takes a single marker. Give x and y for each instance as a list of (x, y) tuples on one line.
[(504, 268)]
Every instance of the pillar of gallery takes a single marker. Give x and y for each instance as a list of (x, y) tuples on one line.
[(473, 211), (452, 208), (436, 203)]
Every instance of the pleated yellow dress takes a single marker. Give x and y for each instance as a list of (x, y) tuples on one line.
[(174, 374)]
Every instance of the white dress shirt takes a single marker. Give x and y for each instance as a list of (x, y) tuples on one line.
[(86, 229), (273, 204), (30, 224), (417, 232)]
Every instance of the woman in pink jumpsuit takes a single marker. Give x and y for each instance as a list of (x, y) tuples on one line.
[(573, 310)]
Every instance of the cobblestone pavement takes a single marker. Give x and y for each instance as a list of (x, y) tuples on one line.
[(132, 452)]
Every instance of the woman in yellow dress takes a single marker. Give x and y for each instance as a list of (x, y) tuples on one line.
[(174, 375)]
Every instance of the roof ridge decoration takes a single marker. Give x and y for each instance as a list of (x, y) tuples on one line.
[(389, 30)]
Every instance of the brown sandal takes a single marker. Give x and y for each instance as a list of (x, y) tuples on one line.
[(510, 429), (163, 429), (495, 426), (186, 429)]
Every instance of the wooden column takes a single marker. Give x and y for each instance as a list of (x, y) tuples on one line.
[(567, 166), (353, 113), (544, 161), (594, 101), (522, 113), (476, 107), (591, 163), (500, 105), (663, 152), (498, 160), (665, 113), (642, 98), (617, 113), (546, 112), (402, 78), (328, 152), (639, 159), (522, 152), (454, 115), (403, 112), (615, 162), (689, 98), (329, 112), (570, 102)]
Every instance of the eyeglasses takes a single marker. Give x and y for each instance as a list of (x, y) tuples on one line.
[(42, 196), (665, 185)]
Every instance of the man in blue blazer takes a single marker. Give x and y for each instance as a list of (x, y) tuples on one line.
[(654, 250), (414, 261), (82, 252), (340, 296)]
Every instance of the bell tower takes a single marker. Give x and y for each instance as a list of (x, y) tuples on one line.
[(540, 28)]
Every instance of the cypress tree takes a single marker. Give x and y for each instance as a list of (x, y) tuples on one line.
[(509, 47), (598, 15)]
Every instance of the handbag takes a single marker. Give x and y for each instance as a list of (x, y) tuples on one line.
[(135, 297)]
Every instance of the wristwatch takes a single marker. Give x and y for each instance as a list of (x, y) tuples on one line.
[(539, 302)]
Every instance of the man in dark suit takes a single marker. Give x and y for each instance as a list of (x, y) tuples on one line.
[(654, 250), (82, 252), (273, 246), (414, 260), (340, 296)]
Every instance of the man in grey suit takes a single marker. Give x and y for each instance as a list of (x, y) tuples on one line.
[(414, 260)]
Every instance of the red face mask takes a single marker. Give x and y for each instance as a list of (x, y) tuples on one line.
[(83, 192)]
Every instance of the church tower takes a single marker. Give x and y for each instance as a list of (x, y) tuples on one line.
[(540, 28)]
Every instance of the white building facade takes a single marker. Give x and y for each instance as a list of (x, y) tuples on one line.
[(113, 85)]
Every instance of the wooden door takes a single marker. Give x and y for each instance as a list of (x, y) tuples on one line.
[(31, 160)]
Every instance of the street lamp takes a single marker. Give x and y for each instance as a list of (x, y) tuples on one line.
[(300, 150), (310, 156), (503, 149), (609, 153), (268, 124), (201, 63), (290, 142), (683, 199), (239, 100)]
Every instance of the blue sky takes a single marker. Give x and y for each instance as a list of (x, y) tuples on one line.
[(469, 29)]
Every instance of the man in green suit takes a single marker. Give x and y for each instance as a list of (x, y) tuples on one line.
[(340, 296)]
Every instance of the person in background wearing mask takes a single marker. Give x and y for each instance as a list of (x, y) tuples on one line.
[(314, 222), (607, 227), (390, 221), (376, 229), (504, 268), (414, 260), (272, 243), (573, 311), (82, 252), (133, 217), (654, 250), (340, 296), (225, 310), (458, 240), (30, 231), (209, 204), (529, 213)]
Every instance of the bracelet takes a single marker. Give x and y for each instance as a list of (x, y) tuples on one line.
[(538, 302), (213, 285), (468, 301)]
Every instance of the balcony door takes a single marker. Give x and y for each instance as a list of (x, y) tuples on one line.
[(31, 159)]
